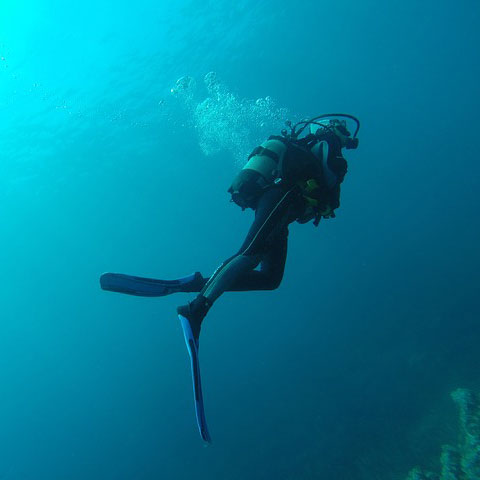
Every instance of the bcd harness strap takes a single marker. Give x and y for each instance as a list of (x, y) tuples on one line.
[(264, 151)]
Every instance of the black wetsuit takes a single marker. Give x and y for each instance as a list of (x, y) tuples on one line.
[(266, 242)]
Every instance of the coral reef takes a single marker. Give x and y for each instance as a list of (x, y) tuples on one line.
[(417, 474), (461, 462)]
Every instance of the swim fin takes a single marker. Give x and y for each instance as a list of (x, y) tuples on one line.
[(192, 347), (150, 287)]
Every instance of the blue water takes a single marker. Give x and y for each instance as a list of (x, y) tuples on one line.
[(342, 373)]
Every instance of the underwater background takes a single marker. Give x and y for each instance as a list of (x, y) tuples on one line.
[(107, 163)]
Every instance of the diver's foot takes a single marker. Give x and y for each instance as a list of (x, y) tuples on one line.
[(196, 283), (195, 312)]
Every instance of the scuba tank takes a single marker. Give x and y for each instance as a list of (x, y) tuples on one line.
[(262, 170)]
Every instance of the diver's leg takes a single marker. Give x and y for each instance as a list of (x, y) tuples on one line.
[(272, 267), (271, 212), (274, 252), (271, 217), (269, 277)]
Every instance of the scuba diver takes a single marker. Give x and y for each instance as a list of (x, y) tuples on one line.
[(290, 177)]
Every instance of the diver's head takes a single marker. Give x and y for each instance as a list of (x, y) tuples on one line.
[(324, 125), (339, 129)]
